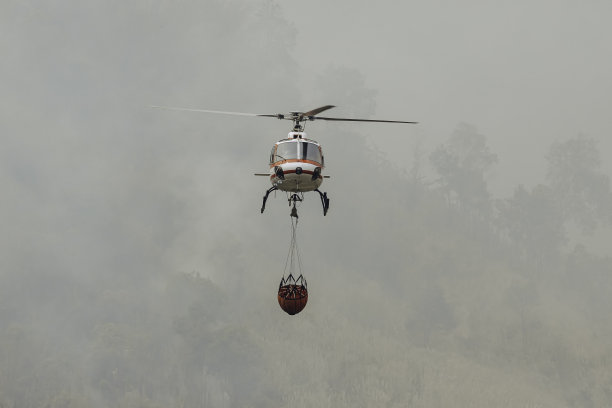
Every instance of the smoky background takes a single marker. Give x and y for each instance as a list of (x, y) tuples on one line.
[(464, 261)]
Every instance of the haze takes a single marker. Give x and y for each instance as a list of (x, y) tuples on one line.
[(464, 261)]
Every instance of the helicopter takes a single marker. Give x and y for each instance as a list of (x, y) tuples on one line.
[(296, 162)]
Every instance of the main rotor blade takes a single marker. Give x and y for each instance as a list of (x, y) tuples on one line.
[(214, 111), (361, 120), (310, 115), (318, 110)]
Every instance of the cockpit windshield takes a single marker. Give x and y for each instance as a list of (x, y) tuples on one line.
[(310, 151), (289, 151)]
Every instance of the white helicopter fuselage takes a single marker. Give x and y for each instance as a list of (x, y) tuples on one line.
[(296, 164)]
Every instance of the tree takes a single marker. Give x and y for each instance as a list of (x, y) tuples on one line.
[(532, 222), (346, 88), (462, 163), (579, 187)]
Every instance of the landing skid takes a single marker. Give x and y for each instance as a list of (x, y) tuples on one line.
[(324, 201), (271, 189), (294, 198)]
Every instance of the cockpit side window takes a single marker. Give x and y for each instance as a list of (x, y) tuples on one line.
[(311, 151), (286, 151), (272, 154)]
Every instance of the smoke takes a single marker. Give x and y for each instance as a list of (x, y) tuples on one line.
[(136, 269)]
